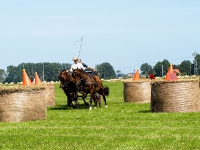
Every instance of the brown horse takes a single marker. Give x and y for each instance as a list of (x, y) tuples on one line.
[(100, 89), (90, 84), (67, 83), (69, 87)]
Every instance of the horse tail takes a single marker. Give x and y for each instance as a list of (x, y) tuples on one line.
[(106, 90)]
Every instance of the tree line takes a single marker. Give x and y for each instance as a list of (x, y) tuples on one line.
[(47, 71), (161, 67), (186, 67)]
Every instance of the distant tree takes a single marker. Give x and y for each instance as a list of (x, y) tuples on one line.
[(146, 68), (2, 75), (119, 74), (175, 66), (197, 58), (185, 67), (106, 70), (51, 71), (13, 74), (64, 66), (158, 67)]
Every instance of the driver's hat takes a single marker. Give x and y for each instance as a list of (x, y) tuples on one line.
[(75, 58)]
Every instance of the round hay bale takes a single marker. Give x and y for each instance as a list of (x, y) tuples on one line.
[(22, 103), (137, 91), (175, 96), (49, 94), (198, 101)]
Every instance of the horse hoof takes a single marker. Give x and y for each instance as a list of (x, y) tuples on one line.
[(106, 106), (90, 108), (75, 107), (87, 104)]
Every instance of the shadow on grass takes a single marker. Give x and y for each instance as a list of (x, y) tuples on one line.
[(65, 107), (145, 111)]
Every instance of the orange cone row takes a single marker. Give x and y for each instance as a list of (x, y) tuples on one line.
[(170, 76), (26, 79)]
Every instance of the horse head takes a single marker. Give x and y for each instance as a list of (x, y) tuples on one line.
[(64, 77), (78, 75)]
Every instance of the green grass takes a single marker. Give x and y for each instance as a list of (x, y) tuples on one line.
[(121, 126)]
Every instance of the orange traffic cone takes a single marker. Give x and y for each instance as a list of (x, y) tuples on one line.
[(137, 75), (170, 70), (167, 77), (25, 78), (37, 79), (170, 76)]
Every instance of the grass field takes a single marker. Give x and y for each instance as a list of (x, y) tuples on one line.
[(121, 126)]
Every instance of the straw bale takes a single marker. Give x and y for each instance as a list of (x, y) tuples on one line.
[(175, 96), (137, 91), (49, 94), (19, 104), (198, 101)]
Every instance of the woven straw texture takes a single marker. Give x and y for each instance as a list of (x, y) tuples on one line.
[(179, 96), (137, 92), (49, 94), (22, 105), (198, 101)]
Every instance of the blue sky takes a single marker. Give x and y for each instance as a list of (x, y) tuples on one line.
[(125, 33)]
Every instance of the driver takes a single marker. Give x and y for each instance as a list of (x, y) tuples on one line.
[(86, 66), (76, 65)]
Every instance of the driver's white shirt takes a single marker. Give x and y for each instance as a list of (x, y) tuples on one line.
[(77, 66)]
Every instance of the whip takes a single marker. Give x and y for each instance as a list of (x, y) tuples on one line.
[(80, 46)]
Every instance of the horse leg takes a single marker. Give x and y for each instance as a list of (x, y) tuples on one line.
[(84, 95), (104, 98), (100, 100), (95, 102), (75, 98), (70, 102), (90, 103), (92, 97), (96, 99)]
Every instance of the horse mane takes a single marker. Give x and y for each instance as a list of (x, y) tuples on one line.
[(83, 72), (70, 76), (79, 70), (67, 75)]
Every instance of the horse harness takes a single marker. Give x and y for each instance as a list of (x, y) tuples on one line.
[(86, 83)]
